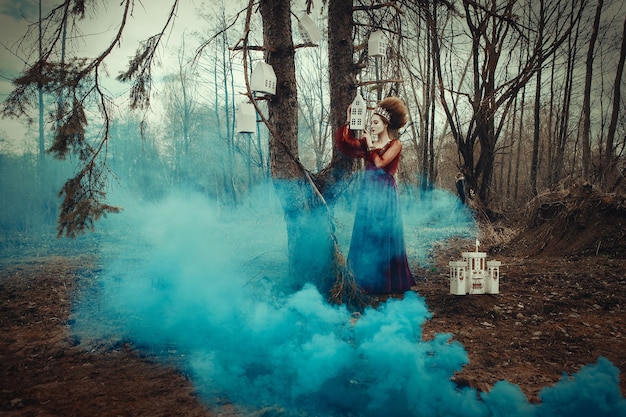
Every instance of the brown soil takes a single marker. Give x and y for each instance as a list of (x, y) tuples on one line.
[(562, 293), (43, 372), (561, 306)]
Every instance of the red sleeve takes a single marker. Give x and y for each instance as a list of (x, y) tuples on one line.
[(350, 145)]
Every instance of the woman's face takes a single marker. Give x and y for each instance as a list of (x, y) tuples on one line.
[(377, 125)]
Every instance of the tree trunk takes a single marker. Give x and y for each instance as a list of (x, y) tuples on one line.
[(562, 131), (307, 228), (551, 133), (534, 167), (586, 134), (426, 120), (507, 193), (610, 137), (42, 142), (342, 79)]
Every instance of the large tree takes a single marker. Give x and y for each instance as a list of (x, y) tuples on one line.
[(296, 189)]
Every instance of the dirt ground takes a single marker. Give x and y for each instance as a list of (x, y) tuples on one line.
[(560, 307)]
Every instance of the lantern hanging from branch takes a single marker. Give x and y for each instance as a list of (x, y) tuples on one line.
[(358, 111), (376, 44), (246, 118), (263, 78), (308, 31)]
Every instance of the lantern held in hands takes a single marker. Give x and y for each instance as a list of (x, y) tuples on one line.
[(358, 111)]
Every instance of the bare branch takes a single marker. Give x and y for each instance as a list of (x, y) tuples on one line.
[(140, 67)]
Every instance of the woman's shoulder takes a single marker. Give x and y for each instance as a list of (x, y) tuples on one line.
[(393, 142)]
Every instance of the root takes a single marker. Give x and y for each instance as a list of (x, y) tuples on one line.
[(346, 290)]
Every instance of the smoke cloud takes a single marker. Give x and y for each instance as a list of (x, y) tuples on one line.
[(202, 286)]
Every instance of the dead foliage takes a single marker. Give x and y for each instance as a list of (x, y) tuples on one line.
[(577, 221)]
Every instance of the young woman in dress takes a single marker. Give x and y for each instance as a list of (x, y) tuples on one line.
[(377, 254)]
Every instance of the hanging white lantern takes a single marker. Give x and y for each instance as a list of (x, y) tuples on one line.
[(263, 78), (358, 111), (376, 44), (308, 31), (246, 118)]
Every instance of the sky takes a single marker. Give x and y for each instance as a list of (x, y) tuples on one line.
[(98, 30)]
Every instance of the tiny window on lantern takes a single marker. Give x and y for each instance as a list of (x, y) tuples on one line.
[(308, 31), (376, 44), (246, 118), (357, 113), (263, 78)]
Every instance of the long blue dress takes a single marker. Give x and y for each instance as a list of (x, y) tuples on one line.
[(377, 254)]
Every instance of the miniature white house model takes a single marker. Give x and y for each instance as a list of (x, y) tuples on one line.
[(376, 44), (246, 118), (263, 78), (308, 31), (358, 111), (474, 274)]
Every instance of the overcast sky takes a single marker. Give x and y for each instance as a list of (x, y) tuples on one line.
[(147, 19), (98, 30)]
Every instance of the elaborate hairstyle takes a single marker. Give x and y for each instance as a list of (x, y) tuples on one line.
[(393, 111)]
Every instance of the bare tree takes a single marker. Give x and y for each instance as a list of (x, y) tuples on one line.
[(42, 141), (562, 128), (314, 104), (495, 31), (534, 167), (181, 104), (586, 122), (609, 162)]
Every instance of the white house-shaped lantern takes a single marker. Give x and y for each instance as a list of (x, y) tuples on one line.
[(263, 78), (246, 118), (308, 31), (358, 110), (376, 44)]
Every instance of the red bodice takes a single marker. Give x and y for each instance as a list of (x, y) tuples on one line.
[(357, 148)]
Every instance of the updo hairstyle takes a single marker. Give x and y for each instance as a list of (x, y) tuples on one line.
[(396, 109)]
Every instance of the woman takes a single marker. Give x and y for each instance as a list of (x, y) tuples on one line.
[(377, 254)]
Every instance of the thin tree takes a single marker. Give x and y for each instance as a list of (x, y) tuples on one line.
[(586, 122), (534, 166), (609, 155), (40, 86), (562, 129)]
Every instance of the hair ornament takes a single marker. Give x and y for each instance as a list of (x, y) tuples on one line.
[(384, 113)]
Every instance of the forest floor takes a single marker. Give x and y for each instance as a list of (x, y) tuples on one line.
[(561, 306)]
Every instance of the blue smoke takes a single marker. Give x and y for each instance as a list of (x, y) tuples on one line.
[(202, 287)]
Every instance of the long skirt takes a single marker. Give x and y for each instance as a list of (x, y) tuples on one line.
[(377, 253)]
